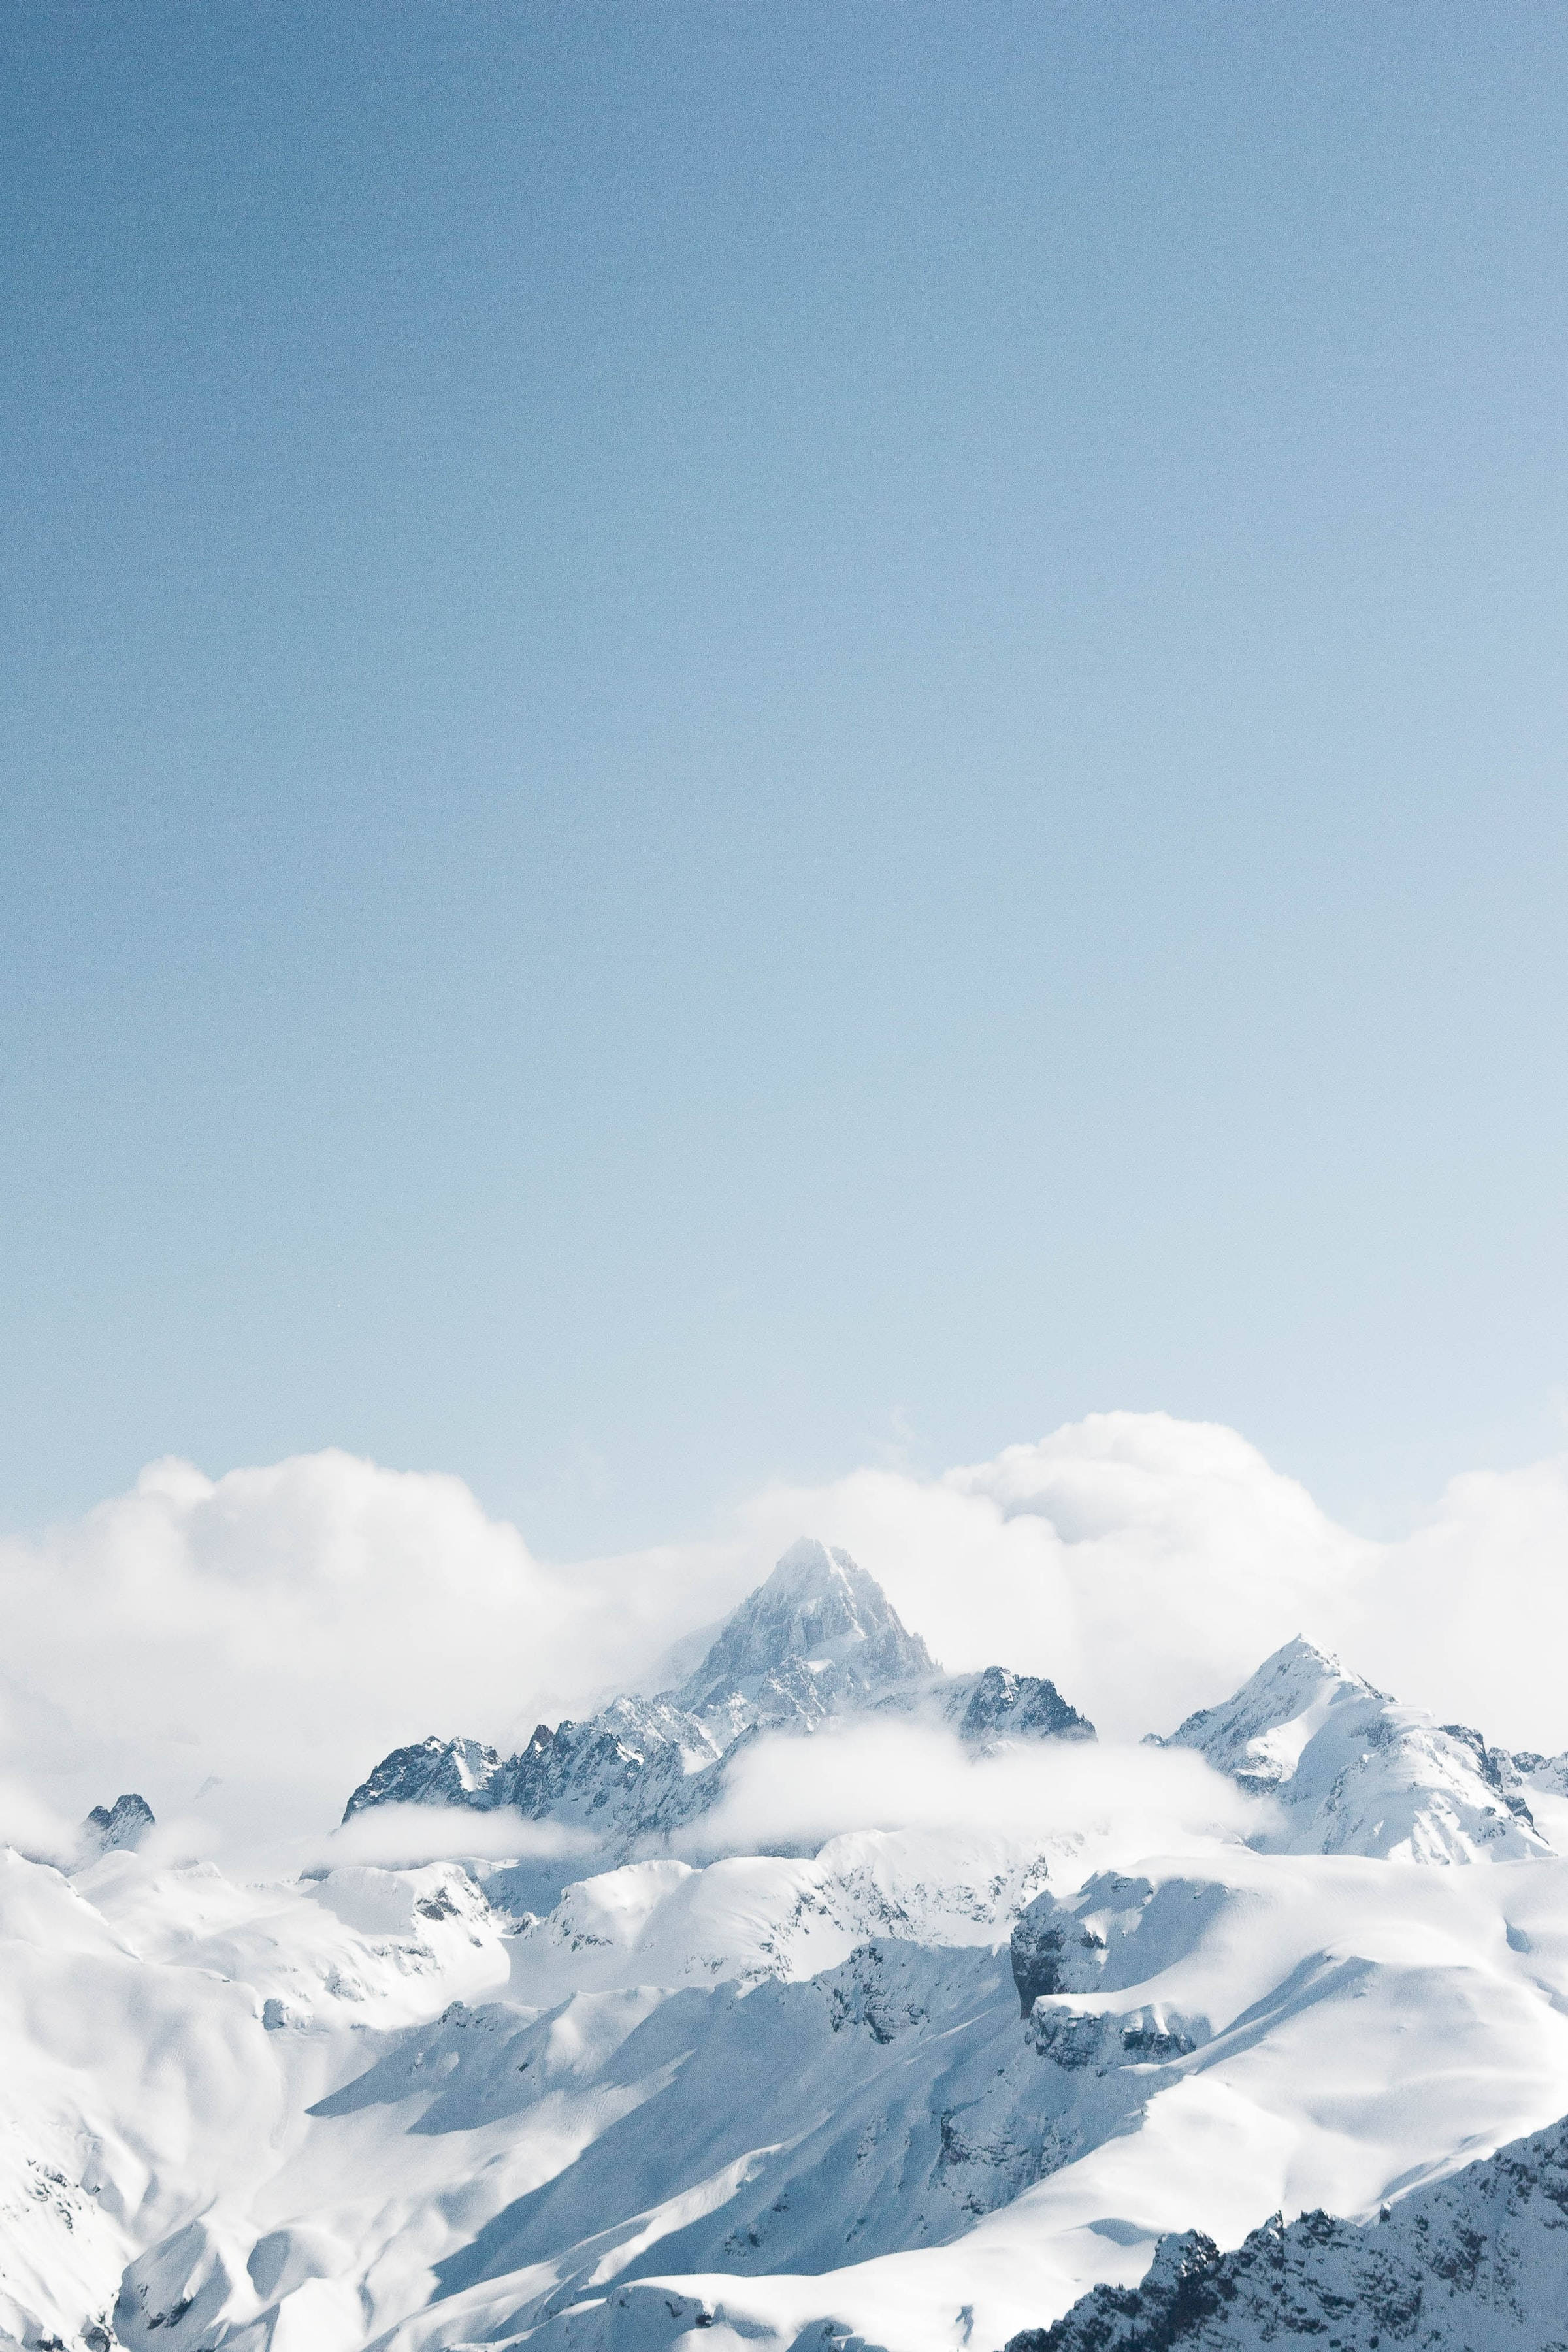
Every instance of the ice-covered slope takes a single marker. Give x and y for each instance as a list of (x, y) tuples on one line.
[(1477, 2263), (1356, 1773), (818, 1638), (1277, 2032), (162, 2034)]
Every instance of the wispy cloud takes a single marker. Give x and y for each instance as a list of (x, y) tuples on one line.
[(401, 1837)]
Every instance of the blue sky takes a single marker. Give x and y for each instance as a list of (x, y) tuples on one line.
[(740, 738)]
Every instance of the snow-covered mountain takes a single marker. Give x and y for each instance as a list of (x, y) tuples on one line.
[(820, 1634), (1476, 2261), (819, 1639), (924, 2089), (1356, 1773)]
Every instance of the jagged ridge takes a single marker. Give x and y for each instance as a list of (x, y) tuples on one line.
[(1473, 2263)]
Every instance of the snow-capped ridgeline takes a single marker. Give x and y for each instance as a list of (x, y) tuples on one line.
[(1355, 1773), (922, 2089), (819, 1639)]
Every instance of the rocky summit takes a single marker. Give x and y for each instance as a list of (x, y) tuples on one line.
[(819, 1634), (122, 1824)]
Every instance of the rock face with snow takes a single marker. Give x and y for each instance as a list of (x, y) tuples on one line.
[(1478, 2263), (1353, 1772), (993, 1706), (819, 1639), (818, 1635), (122, 1824)]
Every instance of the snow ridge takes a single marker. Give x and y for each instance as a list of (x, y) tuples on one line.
[(931, 2089), (1356, 1773), (1476, 2261)]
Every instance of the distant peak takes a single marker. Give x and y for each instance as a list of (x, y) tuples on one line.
[(122, 1824), (814, 1574)]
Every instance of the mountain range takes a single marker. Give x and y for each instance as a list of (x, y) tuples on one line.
[(1088, 2079), (818, 1640)]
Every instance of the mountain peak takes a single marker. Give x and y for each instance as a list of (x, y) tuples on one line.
[(1299, 1658), (1357, 1772), (818, 1612), (123, 1824), (1259, 1733), (810, 1568)]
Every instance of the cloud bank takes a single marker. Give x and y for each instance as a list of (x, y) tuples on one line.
[(1110, 1802), (243, 1649)]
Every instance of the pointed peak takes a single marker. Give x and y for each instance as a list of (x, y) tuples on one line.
[(817, 1611), (1261, 1732), (810, 1568), (814, 1575), (1301, 1665)]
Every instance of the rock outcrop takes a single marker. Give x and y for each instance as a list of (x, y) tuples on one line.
[(123, 1824)]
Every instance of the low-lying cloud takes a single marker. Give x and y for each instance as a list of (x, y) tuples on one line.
[(402, 1837), (789, 1793), (242, 1650)]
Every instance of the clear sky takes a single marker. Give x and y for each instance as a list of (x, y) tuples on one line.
[(737, 737)]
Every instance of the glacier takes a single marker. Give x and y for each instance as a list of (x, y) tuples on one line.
[(927, 2085)]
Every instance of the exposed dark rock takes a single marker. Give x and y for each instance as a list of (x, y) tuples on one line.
[(1478, 2263), (121, 1825)]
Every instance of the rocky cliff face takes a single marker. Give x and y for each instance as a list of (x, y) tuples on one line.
[(1475, 2263), (1353, 1772), (995, 1705), (113, 1828), (819, 1638)]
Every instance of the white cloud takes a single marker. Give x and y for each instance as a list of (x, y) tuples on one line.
[(1145, 1564), (790, 1791), (251, 1646), (275, 1630), (33, 1826), (401, 1837)]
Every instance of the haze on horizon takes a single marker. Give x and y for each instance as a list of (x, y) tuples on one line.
[(739, 743)]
